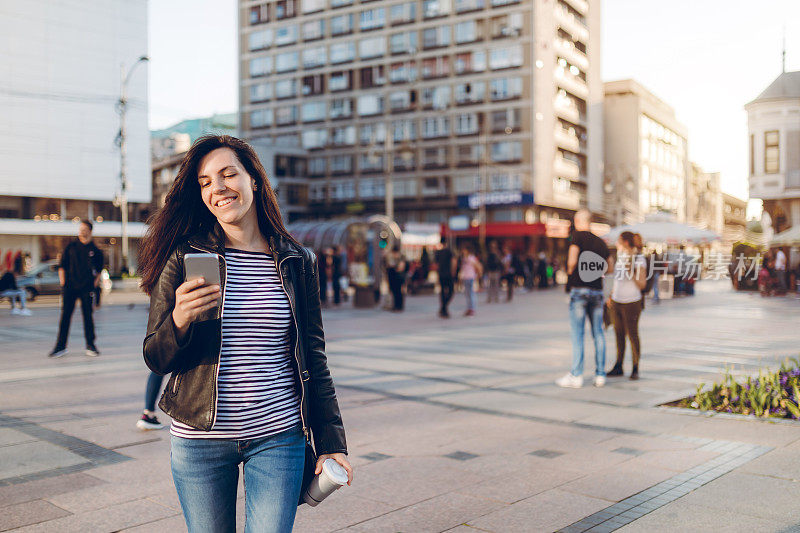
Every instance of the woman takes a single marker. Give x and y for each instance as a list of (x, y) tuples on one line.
[(625, 302), (396, 269), (494, 271), (250, 382), (469, 271)]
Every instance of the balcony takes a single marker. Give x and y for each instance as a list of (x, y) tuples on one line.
[(572, 84), (581, 6), (565, 168), (769, 187), (566, 140), (572, 25), (567, 110), (568, 51)]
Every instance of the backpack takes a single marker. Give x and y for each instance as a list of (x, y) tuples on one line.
[(649, 280)]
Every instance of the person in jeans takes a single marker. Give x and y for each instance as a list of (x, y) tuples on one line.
[(8, 288), (625, 302), (587, 263), (249, 383), (494, 271), (149, 420), (79, 274), (469, 272), (446, 268)]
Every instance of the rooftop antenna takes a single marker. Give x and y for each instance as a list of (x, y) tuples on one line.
[(783, 54)]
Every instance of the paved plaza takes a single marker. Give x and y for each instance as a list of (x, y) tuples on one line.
[(452, 425)]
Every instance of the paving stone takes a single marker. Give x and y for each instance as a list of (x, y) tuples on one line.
[(31, 512), (680, 516), (45, 488), (617, 483)]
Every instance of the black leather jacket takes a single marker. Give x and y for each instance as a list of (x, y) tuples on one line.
[(191, 392)]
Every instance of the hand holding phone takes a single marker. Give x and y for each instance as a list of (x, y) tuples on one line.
[(199, 293)]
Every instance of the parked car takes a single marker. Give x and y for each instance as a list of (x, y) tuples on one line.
[(41, 279)]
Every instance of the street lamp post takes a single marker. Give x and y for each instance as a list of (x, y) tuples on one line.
[(123, 196)]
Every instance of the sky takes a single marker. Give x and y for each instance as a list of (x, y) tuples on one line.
[(705, 58)]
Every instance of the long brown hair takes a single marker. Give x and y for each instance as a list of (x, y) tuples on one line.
[(184, 212)]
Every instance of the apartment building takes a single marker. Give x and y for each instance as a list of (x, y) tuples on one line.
[(459, 103), (59, 162), (704, 199), (646, 155), (773, 121)]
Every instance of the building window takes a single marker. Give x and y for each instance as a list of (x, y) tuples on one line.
[(772, 152), (402, 100), (372, 77), (372, 47), (435, 8), (372, 19), (467, 32), (403, 13), (343, 136), (313, 111), (435, 67), (404, 130), (259, 14), (496, 3), (286, 88), (433, 127), (343, 52), (340, 81), (341, 25), (436, 97), (316, 166), (507, 26), (260, 66), (286, 62), (369, 104), (436, 37), (371, 188), (261, 118), (434, 157), (752, 154), (500, 58), (260, 92), (312, 6), (433, 187), (315, 138), (259, 40), (342, 190), (506, 151), (370, 162), (341, 108), (341, 3), (372, 134), (403, 43), (313, 85), (470, 93), (313, 30), (467, 124), (284, 9), (505, 88), (286, 114), (342, 164), (469, 154), (405, 188), (403, 72), (506, 120), (286, 35), (464, 6), (314, 57), (470, 62), (467, 184)]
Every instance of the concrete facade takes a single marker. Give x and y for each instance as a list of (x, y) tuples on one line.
[(773, 123), (476, 95), (704, 200), (646, 155)]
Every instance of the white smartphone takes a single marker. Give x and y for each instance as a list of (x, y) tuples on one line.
[(201, 266)]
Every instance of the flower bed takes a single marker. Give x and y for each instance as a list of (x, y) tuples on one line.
[(770, 395)]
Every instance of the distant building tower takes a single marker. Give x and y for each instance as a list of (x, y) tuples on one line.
[(773, 121)]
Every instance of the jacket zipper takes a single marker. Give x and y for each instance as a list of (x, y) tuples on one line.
[(221, 307), (296, 343)]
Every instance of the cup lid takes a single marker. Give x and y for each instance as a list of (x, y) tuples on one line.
[(335, 471)]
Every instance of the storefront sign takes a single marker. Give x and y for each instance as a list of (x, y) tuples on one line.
[(476, 200)]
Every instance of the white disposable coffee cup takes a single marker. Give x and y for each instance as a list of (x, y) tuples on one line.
[(332, 477)]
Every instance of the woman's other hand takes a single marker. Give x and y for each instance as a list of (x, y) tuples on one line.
[(339, 458)]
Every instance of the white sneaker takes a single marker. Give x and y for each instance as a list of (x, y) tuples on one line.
[(599, 381), (16, 311), (570, 381), (25, 312)]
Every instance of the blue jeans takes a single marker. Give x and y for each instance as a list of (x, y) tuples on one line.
[(587, 303), (151, 392), (469, 291), (206, 475)]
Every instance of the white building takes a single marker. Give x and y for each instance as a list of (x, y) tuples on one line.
[(773, 121), (60, 78), (646, 155)]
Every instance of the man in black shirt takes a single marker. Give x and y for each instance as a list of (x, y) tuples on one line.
[(79, 274), (446, 266), (587, 263)]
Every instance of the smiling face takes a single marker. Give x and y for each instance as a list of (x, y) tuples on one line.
[(226, 187)]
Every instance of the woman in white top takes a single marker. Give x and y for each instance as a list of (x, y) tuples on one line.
[(625, 303)]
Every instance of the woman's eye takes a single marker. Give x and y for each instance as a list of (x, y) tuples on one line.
[(205, 184), (230, 175)]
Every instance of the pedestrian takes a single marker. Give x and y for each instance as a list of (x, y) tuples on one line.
[(469, 271), (396, 270), (494, 271), (509, 272), (149, 420), (587, 263), (9, 288), (625, 302), (333, 264), (79, 274), (446, 268), (250, 383), (344, 280), (541, 271), (324, 277), (780, 270)]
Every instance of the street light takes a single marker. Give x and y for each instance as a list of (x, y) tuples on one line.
[(122, 106)]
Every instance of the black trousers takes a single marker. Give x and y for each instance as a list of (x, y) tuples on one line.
[(396, 287), (68, 298), (447, 287)]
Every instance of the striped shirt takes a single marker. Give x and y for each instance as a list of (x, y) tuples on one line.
[(257, 393)]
